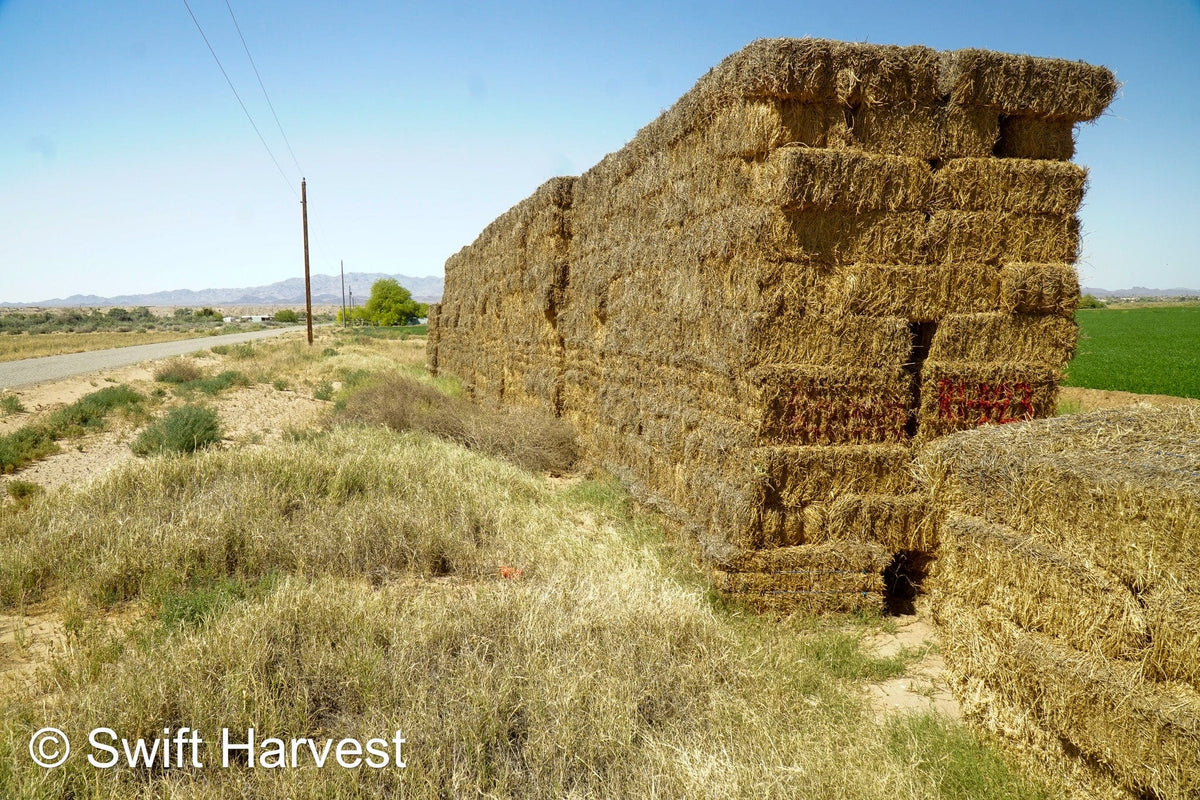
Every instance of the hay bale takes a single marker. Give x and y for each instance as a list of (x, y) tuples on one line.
[(840, 576), (1173, 618), (799, 178), (898, 522), (1117, 489), (1039, 289), (960, 395), (1144, 736), (797, 476), (1025, 85), (830, 405), (997, 336), (935, 133), (996, 237), (754, 127), (1043, 590), (1011, 185), (921, 293), (1036, 137), (834, 339)]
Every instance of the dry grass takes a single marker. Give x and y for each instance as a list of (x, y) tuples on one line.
[(350, 585), (38, 345), (526, 436)]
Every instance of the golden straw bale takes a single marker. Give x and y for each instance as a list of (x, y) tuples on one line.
[(1016, 185), (797, 476), (981, 563), (928, 133), (849, 180), (919, 292), (996, 336), (959, 395), (1039, 289), (1145, 735), (1173, 615), (831, 405), (1025, 85), (898, 522), (994, 237), (1119, 489), (833, 340), (1036, 137), (752, 128)]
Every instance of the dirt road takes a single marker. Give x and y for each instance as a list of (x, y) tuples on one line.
[(28, 371)]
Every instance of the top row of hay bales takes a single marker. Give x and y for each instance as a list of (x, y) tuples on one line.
[(820, 255)]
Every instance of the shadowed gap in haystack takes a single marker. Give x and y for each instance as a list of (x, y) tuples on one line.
[(922, 334), (902, 581)]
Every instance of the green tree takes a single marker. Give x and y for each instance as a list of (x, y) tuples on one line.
[(286, 315), (391, 304)]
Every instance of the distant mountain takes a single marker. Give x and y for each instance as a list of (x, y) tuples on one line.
[(326, 290), (1141, 291)]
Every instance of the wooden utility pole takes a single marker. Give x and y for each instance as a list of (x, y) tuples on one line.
[(307, 279), (342, 266)]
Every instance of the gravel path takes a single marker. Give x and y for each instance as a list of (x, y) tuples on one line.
[(28, 371)]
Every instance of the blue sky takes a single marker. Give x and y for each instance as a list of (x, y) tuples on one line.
[(126, 164)]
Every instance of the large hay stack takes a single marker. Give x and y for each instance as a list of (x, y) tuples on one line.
[(1068, 588), (823, 253)]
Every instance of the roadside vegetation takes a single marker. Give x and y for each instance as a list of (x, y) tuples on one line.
[(1152, 349), (530, 637), (87, 414)]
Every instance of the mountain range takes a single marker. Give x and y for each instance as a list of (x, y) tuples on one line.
[(326, 290)]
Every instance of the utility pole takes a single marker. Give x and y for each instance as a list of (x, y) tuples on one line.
[(342, 265), (307, 279), (351, 299)]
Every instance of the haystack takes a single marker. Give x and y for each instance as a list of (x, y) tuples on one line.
[(1067, 585), (820, 255)]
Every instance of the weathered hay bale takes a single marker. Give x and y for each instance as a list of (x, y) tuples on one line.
[(831, 405), (755, 127), (1047, 591), (959, 395), (1039, 289), (1118, 489), (936, 133), (1173, 617), (922, 293), (898, 522), (841, 576), (997, 336), (799, 178), (1035, 137), (797, 476), (1145, 735), (995, 237), (1009, 185), (834, 340), (1025, 85)]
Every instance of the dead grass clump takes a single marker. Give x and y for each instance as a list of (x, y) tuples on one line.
[(178, 370), (525, 436)]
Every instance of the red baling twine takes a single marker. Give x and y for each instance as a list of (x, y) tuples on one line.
[(981, 403)]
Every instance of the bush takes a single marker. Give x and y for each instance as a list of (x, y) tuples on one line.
[(524, 436), (22, 491), (183, 430), (89, 411), (178, 370), (1089, 301), (287, 315), (11, 404)]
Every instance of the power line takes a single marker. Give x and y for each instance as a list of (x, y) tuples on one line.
[(239, 98), (263, 87)]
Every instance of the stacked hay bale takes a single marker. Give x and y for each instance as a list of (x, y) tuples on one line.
[(1068, 587), (496, 325), (823, 253)]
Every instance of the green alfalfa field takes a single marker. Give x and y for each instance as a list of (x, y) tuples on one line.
[(1152, 349)]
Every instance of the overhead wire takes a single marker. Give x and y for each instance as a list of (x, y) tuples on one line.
[(264, 88), (245, 110)]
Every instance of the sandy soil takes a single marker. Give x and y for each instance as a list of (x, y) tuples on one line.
[(251, 416), (1101, 399), (923, 687), (27, 642)]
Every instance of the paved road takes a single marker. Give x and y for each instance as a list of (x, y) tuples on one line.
[(28, 371)]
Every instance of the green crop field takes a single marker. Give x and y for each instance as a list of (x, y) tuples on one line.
[(1153, 350)]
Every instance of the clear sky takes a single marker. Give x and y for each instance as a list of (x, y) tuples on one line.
[(127, 166)]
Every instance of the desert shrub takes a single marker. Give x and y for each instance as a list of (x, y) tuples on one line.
[(183, 430), (22, 490), (527, 437), (89, 411), (11, 404), (323, 391), (178, 370), (286, 315)]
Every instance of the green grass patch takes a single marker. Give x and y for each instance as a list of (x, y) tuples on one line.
[(11, 404), (214, 384), (24, 446), (957, 766), (1153, 350), (35, 441), (202, 601), (183, 430)]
